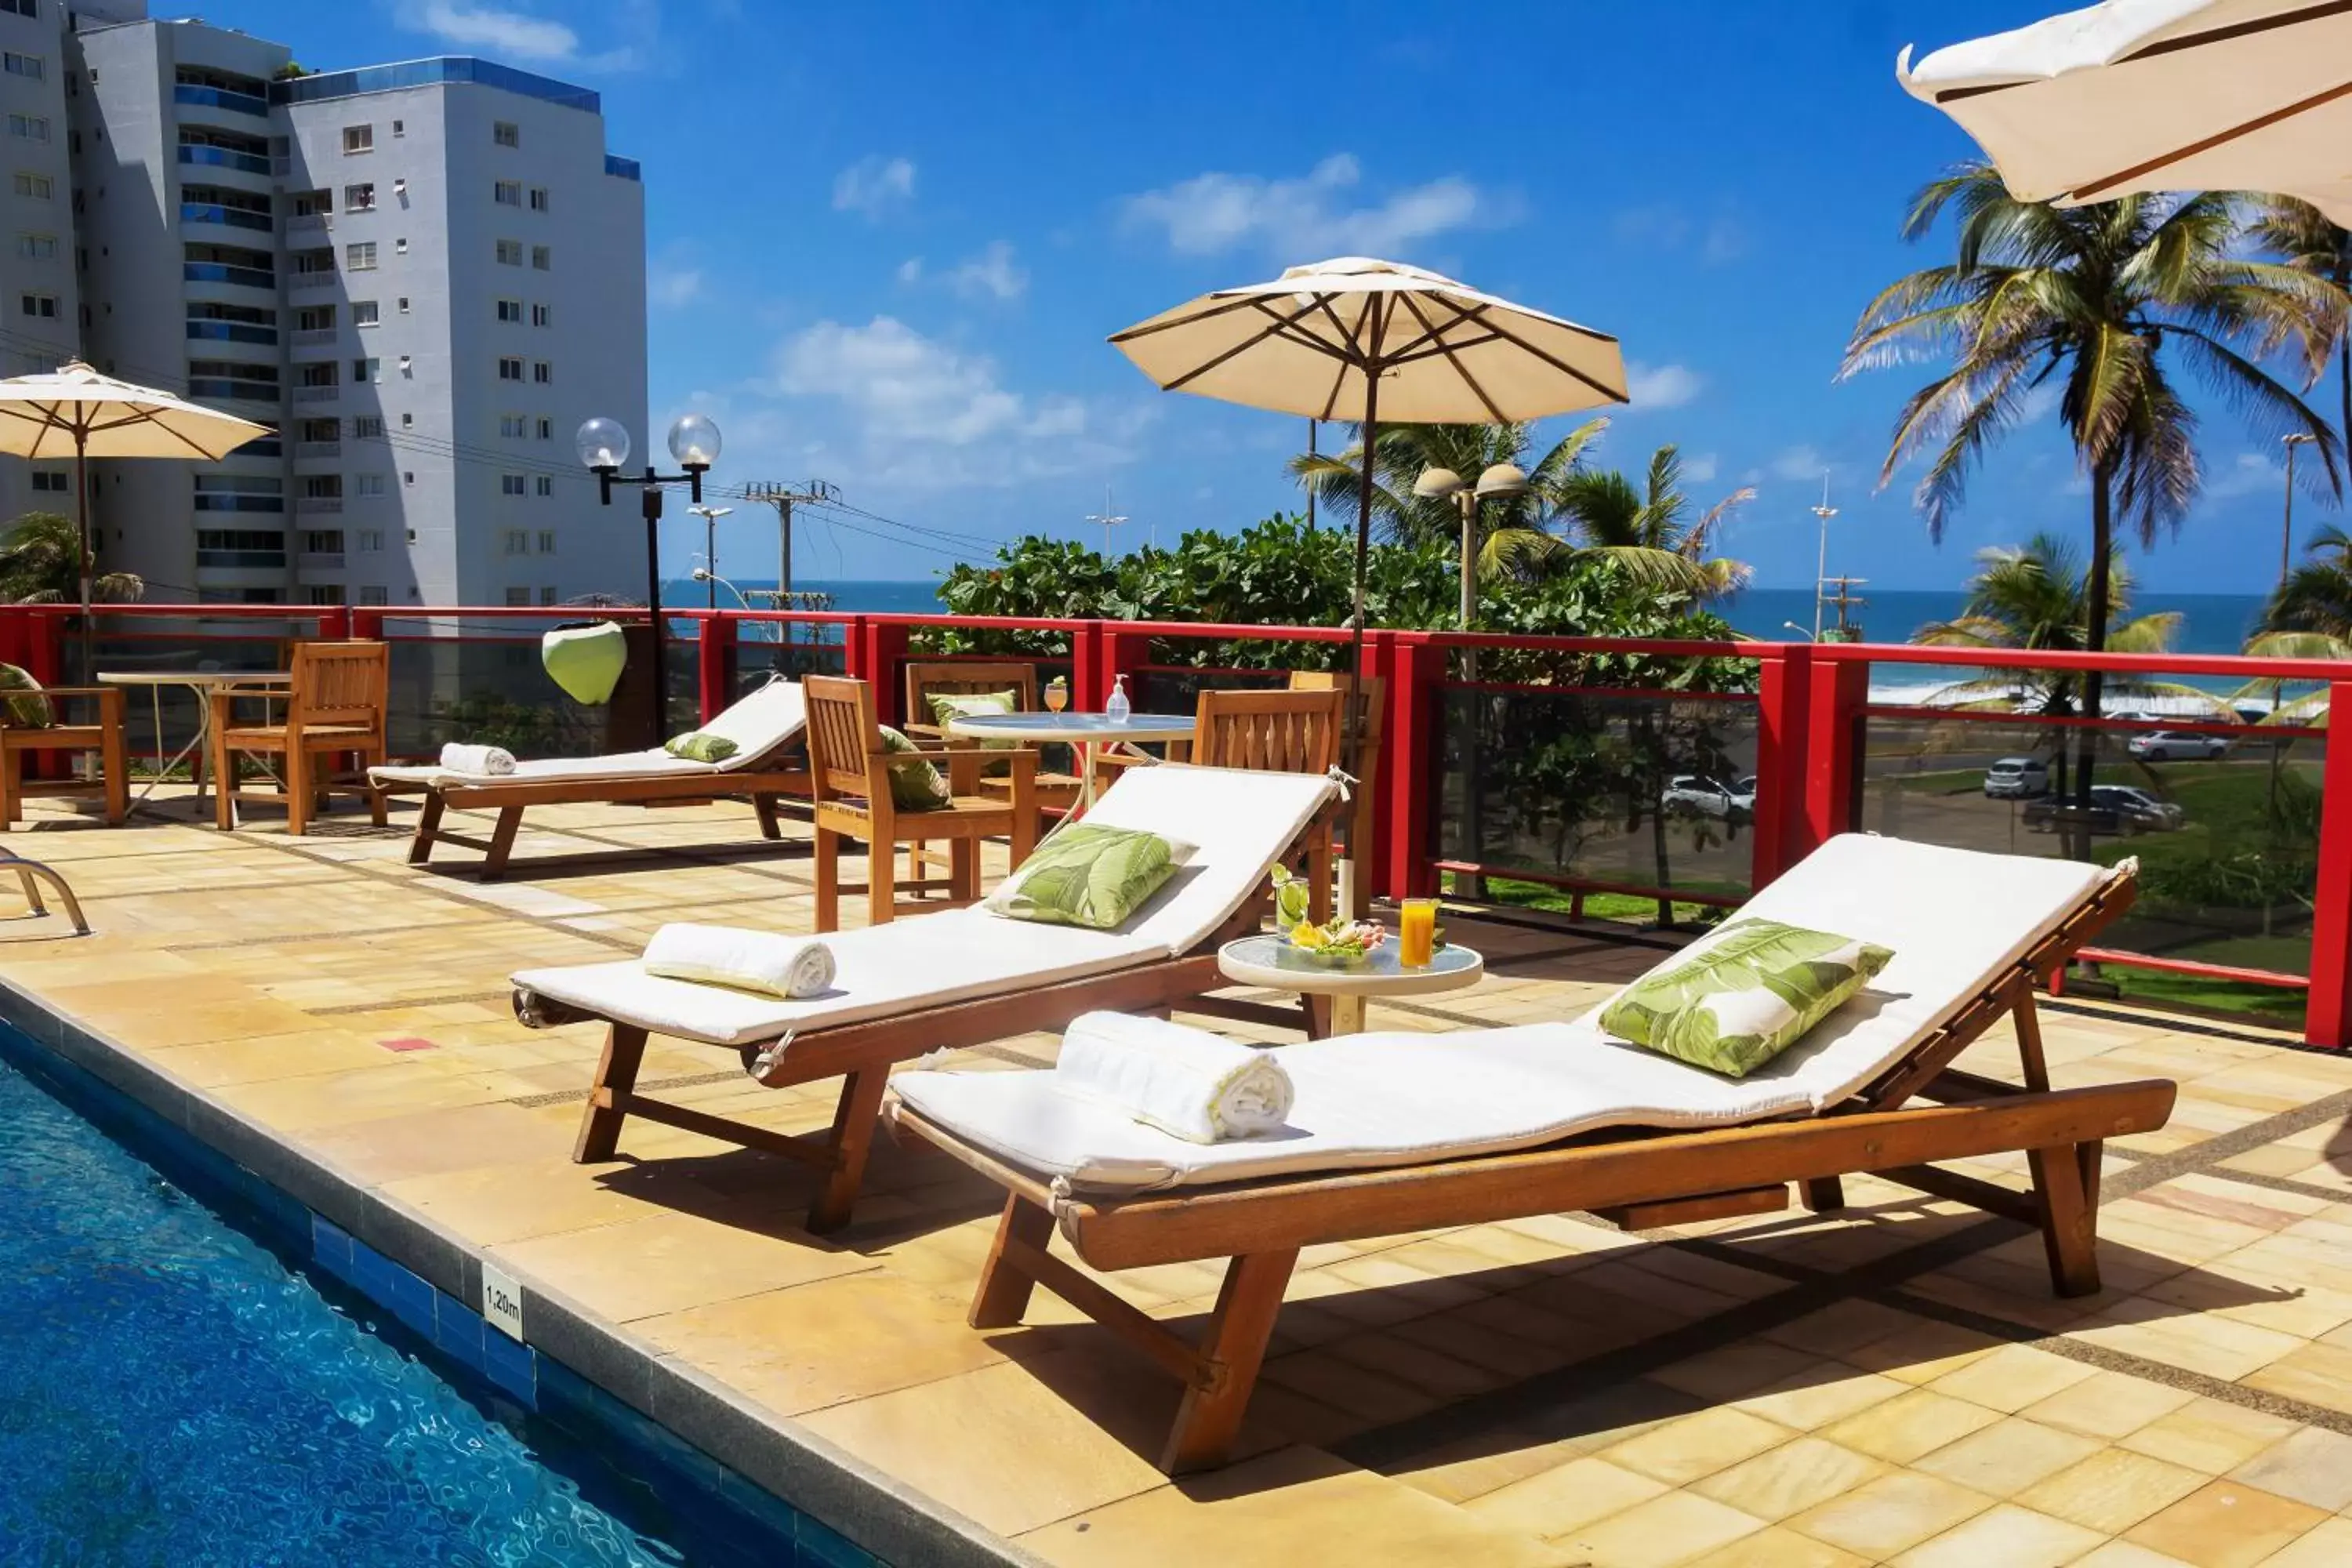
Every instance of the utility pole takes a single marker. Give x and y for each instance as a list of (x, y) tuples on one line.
[(784, 497), (1108, 518), (1822, 570)]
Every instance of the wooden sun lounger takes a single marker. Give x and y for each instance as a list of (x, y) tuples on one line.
[(1635, 1179)]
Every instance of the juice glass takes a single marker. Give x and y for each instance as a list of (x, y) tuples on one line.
[(1417, 932)]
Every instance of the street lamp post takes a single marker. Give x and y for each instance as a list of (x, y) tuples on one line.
[(1821, 568), (603, 446), (1501, 480), (2286, 525), (710, 516)]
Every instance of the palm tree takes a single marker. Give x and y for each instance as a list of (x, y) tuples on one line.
[(2316, 596), (2036, 596), (2092, 297), (2301, 236), (40, 563), (1606, 514)]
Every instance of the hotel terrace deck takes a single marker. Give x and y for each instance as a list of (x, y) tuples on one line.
[(1895, 1384)]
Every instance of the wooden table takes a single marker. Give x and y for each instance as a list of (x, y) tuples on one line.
[(1087, 731), (204, 683), (1335, 996)]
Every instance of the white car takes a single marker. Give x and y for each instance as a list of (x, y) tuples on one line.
[(2017, 778), (2178, 746), (1693, 794)]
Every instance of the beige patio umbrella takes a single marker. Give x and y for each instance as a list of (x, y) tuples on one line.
[(76, 411), (2158, 95), (1363, 340)]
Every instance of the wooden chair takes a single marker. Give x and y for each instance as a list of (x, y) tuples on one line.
[(1371, 706), (334, 706), (104, 736), (1276, 731), (1055, 792), (849, 782)]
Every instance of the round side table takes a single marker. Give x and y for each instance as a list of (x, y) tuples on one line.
[(1335, 996)]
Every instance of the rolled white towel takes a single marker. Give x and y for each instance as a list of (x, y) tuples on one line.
[(747, 960), (489, 762), (1197, 1085)]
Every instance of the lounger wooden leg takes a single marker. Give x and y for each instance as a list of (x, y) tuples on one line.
[(1004, 1285), (502, 837), (1824, 1195), (608, 1095), (853, 1135), (2070, 1220), (763, 806), (828, 880), (1218, 1396), (428, 827)]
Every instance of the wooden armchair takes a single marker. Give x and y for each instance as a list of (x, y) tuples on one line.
[(849, 778), (1277, 731), (334, 706), (102, 735), (1054, 792), (1371, 707)]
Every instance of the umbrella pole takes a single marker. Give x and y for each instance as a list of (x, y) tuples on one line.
[(1351, 728)]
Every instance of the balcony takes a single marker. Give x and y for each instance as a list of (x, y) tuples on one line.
[(224, 158), (326, 394), (236, 217), (321, 279), (318, 448), (302, 221), (242, 560), (222, 272), (312, 506), (221, 97), (320, 561), (242, 391), (232, 333), (312, 336)]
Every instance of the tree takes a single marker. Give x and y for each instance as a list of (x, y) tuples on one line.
[(2104, 300), (2316, 596), (2301, 236), (2036, 596), (40, 563), (1605, 514)]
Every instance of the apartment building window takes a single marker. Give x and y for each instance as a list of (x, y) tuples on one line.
[(359, 138), (512, 425), (543, 315), (38, 247), (323, 487), (370, 540), (313, 204), (403, 304), (366, 371), (548, 595), (510, 253), (511, 485), (510, 310), (544, 374), (517, 541), (325, 373), (325, 594), (367, 428), (374, 594), (56, 482), (506, 134), (360, 257), (327, 429), (39, 187), (31, 127), (29, 9), (518, 597), (542, 258), (42, 306), (539, 198), (506, 193), (400, 245), (364, 314), (359, 198), (315, 319), (546, 429), (369, 484), (509, 370), (30, 67), (400, 128)]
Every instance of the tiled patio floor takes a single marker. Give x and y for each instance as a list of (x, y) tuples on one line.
[(1892, 1384)]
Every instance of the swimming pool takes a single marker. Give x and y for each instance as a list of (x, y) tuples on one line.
[(172, 1393)]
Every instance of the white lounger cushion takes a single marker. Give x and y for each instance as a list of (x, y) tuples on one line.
[(758, 724), (1240, 821), (1954, 919)]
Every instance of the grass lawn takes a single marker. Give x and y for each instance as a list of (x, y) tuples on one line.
[(1624, 908)]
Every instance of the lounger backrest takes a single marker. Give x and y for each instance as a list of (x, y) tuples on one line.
[(1274, 731), (761, 722), (1239, 822), (338, 683), (931, 679), (843, 733)]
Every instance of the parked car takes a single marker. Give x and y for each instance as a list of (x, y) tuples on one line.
[(1695, 794), (2177, 746), (2119, 809), (2017, 778)]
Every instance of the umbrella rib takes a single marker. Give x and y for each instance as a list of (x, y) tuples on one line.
[(2086, 193), (1459, 368), (1203, 368), (1417, 355), (2172, 45), (1549, 358), (1147, 329), (1354, 359), (149, 416)]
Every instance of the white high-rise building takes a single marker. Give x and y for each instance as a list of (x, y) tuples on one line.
[(426, 275)]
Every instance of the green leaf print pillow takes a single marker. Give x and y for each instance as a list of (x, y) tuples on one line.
[(1082, 875), (1751, 995), (915, 784)]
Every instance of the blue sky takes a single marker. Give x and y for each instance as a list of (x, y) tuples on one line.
[(889, 240)]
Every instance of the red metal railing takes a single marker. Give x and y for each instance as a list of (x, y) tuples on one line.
[(1811, 714)]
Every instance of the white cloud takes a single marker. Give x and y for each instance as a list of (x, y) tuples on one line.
[(910, 271), (671, 287), (1310, 217), (1701, 466), (1661, 385), (874, 186), (925, 413), (514, 34), (2253, 473), (1797, 463), (993, 273), (1669, 227)]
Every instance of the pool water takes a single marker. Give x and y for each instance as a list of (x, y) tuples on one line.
[(171, 1394)]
